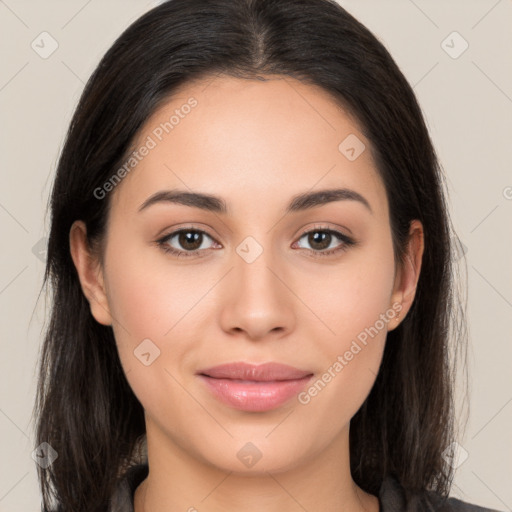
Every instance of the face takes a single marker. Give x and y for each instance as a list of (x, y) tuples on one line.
[(312, 286)]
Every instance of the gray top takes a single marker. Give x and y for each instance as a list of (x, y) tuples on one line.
[(392, 496)]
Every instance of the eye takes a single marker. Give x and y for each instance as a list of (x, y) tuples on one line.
[(322, 238), (189, 241)]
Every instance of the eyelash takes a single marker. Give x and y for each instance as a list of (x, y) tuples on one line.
[(347, 242)]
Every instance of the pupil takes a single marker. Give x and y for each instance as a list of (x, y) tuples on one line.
[(323, 238), (189, 239)]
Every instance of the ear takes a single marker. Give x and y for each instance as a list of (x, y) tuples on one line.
[(90, 273), (407, 276)]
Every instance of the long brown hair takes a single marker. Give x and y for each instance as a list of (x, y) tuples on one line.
[(85, 409)]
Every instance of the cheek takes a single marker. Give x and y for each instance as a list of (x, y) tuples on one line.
[(147, 302), (153, 308), (354, 307), (350, 297), (148, 296)]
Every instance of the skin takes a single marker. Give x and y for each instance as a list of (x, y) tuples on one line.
[(256, 144)]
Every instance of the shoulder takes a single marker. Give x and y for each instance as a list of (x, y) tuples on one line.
[(394, 498)]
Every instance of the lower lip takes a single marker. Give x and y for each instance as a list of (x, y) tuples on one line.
[(254, 396)]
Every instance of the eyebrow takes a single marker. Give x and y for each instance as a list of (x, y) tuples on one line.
[(216, 204)]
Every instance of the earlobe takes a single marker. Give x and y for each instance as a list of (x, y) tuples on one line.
[(89, 272), (407, 277)]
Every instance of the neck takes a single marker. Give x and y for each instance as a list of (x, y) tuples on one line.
[(179, 481)]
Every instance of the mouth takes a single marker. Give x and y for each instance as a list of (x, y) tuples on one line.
[(254, 388)]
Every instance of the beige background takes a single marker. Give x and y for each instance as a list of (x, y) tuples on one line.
[(468, 105)]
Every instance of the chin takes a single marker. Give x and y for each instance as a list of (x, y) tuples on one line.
[(253, 456)]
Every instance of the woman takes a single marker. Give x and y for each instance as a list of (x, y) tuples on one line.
[(250, 254)]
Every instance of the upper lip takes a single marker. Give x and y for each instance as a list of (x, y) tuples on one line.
[(262, 372)]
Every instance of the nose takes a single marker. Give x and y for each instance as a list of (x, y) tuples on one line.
[(257, 299)]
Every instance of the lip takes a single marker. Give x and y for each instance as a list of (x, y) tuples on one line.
[(254, 388), (255, 372)]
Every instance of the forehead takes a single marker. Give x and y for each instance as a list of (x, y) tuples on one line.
[(227, 136)]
